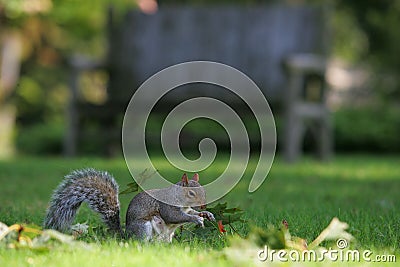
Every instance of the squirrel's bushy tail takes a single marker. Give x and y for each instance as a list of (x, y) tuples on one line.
[(98, 189)]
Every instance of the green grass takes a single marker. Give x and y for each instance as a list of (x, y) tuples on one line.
[(358, 189)]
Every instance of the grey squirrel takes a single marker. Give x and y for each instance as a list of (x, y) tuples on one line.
[(147, 218)]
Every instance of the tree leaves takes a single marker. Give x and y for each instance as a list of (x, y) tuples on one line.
[(31, 237), (274, 238), (225, 218), (227, 215)]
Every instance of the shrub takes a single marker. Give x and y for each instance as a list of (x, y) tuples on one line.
[(43, 138), (367, 129)]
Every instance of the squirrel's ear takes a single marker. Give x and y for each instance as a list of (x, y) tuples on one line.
[(195, 177), (185, 179)]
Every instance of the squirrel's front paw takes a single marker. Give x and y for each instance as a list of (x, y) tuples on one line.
[(199, 220), (208, 215)]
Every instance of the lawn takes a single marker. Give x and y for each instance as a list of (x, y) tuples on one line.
[(361, 190)]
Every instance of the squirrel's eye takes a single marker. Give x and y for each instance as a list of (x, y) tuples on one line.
[(191, 193)]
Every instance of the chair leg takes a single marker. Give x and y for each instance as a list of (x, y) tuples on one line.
[(294, 132), (325, 145)]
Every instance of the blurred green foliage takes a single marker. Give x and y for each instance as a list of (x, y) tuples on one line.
[(40, 138), (355, 130), (51, 31), (375, 40), (368, 129)]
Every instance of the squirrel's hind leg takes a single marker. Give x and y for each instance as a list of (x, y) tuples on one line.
[(140, 229)]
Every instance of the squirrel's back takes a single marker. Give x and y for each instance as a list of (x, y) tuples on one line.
[(97, 188)]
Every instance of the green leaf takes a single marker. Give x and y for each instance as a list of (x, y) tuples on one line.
[(272, 237)]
